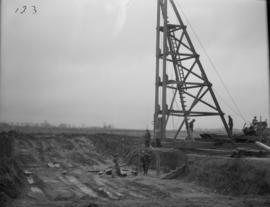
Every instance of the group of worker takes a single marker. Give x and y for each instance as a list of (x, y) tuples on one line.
[(145, 156), (191, 126), (147, 136), (253, 126)]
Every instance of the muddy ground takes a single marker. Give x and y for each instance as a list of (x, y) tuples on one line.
[(62, 170)]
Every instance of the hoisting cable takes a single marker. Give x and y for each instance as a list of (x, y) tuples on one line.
[(228, 105), (211, 62)]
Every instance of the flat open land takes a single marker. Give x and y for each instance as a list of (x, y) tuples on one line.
[(66, 170)]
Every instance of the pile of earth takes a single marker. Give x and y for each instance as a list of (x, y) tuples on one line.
[(168, 159), (226, 175), (230, 175), (71, 149), (223, 174), (12, 180)]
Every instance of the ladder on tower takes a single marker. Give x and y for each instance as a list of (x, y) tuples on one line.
[(179, 73), (190, 80), (177, 60)]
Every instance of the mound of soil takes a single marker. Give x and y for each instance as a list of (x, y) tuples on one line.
[(223, 174), (71, 149), (169, 159), (109, 144), (231, 176), (12, 180)]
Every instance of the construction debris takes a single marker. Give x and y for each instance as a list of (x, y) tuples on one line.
[(175, 173), (245, 138), (264, 146), (53, 165), (245, 152), (27, 172), (215, 137)]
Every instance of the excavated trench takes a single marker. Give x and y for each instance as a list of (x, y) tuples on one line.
[(64, 170)]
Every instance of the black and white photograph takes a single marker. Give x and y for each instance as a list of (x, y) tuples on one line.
[(134, 103)]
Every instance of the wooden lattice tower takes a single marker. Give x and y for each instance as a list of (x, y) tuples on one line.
[(191, 89)]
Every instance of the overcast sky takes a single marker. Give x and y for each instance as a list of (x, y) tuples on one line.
[(93, 61)]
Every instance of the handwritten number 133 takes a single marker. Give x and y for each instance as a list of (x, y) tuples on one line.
[(24, 8)]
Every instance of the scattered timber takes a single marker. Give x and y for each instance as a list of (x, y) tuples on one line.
[(175, 173), (245, 152), (264, 146)]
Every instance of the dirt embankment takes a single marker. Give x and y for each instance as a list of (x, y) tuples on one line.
[(230, 175), (223, 174), (220, 173), (74, 151), (12, 180), (71, 149)]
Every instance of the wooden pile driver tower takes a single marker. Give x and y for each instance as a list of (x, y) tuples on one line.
[(189, 84)]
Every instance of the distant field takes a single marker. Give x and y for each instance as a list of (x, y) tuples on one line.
[(99, 130)]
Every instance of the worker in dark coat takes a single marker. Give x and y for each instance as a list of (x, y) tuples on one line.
[(147, 138), (230, 123), (254, 121), (145, 160), (191, 128), (191, 125), (116, 170)]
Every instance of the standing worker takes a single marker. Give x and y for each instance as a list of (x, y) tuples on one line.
[(147, 138), (230, 123), (191, 128), (116, 170), (145, 159), (254, 121)]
